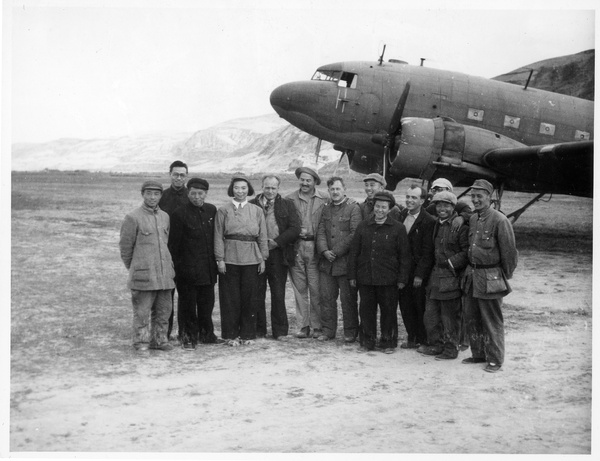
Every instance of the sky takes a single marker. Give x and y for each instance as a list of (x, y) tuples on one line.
[(102, 68)]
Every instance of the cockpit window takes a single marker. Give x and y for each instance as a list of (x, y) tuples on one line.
[(327, 75), (348, 80)]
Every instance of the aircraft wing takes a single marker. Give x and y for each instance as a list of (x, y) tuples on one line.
[(564, 168)]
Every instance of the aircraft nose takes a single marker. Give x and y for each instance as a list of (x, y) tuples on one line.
[(282, 97)]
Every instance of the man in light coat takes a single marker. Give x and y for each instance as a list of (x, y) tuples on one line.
[(144, 251)]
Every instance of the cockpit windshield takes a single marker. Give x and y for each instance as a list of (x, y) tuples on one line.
[(343, 79), (327, 75)]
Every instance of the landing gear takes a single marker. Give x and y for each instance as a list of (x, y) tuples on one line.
[(516, 214)]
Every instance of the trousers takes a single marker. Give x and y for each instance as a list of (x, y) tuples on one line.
[(151, 310), (386, 297), (412, 308), (238, 299), (305, 282), (443, 320), (194, 313), (485, 327), (276, 275), (330, 287)]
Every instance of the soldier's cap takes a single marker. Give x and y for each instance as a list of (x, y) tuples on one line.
[(484, 185), (442, 182), (310, 171), (151, 184), (444, 196), (197, 183), (385, 196), (375, 177)]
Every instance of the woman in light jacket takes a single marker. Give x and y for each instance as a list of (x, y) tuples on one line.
[(241, 251)]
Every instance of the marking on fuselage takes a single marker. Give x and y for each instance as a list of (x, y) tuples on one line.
[(475, 114), (512, 122), (547, 129), (582, 135)]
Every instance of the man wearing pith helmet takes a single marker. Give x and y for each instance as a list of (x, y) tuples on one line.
[(492, 260), (144, 251), (443, 310)]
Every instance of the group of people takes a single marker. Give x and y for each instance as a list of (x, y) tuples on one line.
[(445, 265)]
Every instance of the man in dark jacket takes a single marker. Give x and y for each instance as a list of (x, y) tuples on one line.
[(443, 310), (283, 229), (191, 244), (171, 199), (419, 227), (379, 264)]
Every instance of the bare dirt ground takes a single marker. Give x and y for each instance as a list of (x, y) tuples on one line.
[(78, 386)]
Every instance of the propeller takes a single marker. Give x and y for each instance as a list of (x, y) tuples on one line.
[(388, 139)]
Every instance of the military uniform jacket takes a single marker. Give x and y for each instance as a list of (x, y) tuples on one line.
[(449, 247), (379, 254), (491, 244), (288, 222), (420, 241), (191, 243), (336, 229), (144, 249)]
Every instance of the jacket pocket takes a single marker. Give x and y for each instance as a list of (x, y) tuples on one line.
[(494, 282), (449, 283), (141, 275)]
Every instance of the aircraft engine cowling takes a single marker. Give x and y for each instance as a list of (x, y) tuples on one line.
[(441, 147)]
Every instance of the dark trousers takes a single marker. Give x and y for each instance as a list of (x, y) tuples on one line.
[(238, 299), (330, 287), (276, 272), (485, 327), (412, 308), (443, 320), (194, 313), (386, 297), (172, 315)]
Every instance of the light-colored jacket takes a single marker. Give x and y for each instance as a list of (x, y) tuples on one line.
[(144, 251)]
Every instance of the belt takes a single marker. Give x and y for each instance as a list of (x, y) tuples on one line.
[(243, 238), (484, 266), (307, 238)]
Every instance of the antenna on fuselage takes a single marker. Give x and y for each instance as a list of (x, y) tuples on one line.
[(382, 53), (422, 61), (528, 78)]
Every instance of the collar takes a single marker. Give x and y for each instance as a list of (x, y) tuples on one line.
[(316, 194), (239, 205), (387, 221), (485, 213), (416, 215), (179, 191), (147, 209), (344, 200)]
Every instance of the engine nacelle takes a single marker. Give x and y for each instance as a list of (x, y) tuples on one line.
[(427, 145)]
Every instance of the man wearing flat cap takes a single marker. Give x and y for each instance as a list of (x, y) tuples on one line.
[(492, 260), (144, 251), (191, 242), (375, 183), (305, 272), (379, 264), (443, 309)]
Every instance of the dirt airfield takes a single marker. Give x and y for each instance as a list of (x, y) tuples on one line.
[(77, 385)]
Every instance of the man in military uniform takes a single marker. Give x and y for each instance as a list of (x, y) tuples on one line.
[(375, 183), (492, 260), (144, 251)]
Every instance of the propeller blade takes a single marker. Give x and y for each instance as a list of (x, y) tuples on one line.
[(397, 116)]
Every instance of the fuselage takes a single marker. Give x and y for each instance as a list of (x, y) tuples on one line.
[(346, 103)]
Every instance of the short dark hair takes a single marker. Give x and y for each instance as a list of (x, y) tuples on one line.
[(234, 180), (178, 164), (333, 179), (421, 188)]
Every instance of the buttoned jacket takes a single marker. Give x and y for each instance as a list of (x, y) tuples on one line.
[(144, 249), (336, 229), (171, 199), (379, 254), (191, 243)]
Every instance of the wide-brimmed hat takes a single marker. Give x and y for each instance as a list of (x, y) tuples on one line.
[(310, 171)]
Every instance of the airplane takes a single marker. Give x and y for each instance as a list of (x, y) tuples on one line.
[(406, 121)]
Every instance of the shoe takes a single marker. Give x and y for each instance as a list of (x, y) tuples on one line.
[(165, 347), (349, 339), (220, 341), (141, 347), (303, 333), (473, 360), (316, 333), (323, 338), (247, 342), (463, 347), (492, 367), (445, 356), (188, 346), (409, 345), (429, 350), (233, 342), (388, 350)]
